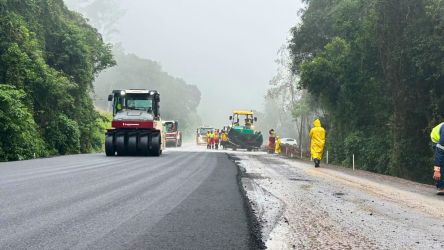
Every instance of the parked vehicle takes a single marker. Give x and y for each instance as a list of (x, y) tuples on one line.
[(289, 141), (201, 135)]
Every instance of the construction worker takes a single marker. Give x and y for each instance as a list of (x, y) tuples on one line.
[(277, 149), (118, 107), (317, 142), (224, 137), (212, 140), (437, 137), (271, 141), (216, 139), (208, 140)]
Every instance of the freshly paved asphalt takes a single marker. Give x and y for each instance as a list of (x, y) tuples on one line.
[(182, 200)]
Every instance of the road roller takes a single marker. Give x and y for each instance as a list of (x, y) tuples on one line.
[(136, 126)]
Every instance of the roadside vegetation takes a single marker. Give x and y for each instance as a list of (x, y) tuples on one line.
[(374, 72), (49, 57)]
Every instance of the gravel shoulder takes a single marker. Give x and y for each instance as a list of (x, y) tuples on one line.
[(301, 207)]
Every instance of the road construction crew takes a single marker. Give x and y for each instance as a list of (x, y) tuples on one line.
[(317, 142), (437, 137), (277, 149)]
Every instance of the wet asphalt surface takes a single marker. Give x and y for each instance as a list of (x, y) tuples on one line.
[(182, 200)]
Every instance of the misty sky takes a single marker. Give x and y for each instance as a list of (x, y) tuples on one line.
[(225, 47)]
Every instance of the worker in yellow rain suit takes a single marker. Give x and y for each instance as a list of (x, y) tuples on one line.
[(224, 137), (277, 149), (317, 142), (212, 140), (209, 140)]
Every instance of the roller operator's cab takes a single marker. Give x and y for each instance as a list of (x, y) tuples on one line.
[(136, 126)]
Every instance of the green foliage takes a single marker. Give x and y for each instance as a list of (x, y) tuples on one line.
[(376, 68), (103, 123), (19, 134), (63, 134), (53, 55)]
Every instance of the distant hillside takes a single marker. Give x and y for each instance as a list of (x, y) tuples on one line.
[(179, 100)]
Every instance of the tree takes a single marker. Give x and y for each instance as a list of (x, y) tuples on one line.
[(18, 130), (375, 67), (53, 56)]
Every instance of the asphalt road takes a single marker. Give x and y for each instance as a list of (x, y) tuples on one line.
[(182, 200)]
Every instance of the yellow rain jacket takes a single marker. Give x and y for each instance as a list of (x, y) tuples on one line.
[(278, 149), (224, 136), (436, 135), (317, 138)]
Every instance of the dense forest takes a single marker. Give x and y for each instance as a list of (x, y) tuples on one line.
[(376, 70), (49, 57)]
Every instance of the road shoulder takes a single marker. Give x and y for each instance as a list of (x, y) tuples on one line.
[(301, 207)]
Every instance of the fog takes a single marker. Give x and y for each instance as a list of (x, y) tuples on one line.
[(225, 47)]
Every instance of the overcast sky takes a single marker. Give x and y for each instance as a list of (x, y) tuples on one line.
[(225, 47)]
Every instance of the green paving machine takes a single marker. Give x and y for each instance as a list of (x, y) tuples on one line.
[(242, 133)]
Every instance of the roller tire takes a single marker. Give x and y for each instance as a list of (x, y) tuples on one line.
[(120, 145), (155, 145), (109, 145), (132, 145), (143, 146)]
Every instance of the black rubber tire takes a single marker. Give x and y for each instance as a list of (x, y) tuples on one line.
[(120, 145), (143, 146), (109, 145), (132, 145), (155, 145), (180, 143)]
